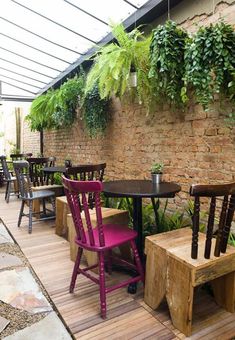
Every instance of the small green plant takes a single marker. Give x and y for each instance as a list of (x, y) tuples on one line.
[(157, 168), (57, 178)]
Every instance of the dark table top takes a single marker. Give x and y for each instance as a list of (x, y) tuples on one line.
[(52, 169), (140, 188)]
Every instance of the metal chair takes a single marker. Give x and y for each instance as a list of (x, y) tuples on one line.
[(182, 258), (8, 178), (28, 196), (98, 238)]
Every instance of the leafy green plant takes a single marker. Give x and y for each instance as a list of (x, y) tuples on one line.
[(56, 108), (42, 108), (114, 62), (210, 63), (95, 112), (67, 101), (57, 178), (167, 61), (157, 168)]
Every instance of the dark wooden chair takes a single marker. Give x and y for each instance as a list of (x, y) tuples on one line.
[(183, 259), (87, 172), (20, 156), (98, 238), (36, 174), (8, 178), (28, 196)]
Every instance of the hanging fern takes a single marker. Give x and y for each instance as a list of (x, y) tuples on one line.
[(167, 61), (57, 108), (210, 62), (113, 63), (95, 113)]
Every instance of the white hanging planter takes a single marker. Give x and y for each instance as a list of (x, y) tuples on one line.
[(133, 79)]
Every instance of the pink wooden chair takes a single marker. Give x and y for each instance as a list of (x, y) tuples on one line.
[(101, 238)]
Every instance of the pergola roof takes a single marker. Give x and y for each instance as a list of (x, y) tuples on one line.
[(42, 41)]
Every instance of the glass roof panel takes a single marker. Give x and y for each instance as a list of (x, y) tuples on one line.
[(40, 39)]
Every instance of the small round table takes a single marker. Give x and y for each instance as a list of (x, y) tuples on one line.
[(138, 189)]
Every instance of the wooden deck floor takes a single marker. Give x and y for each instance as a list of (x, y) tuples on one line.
[(128, 316)]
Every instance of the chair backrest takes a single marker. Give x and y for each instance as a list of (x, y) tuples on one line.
[(87, 172), (74, 189), (21, 169), (5, 168), (227, 192), (20, 156), (36, 173)]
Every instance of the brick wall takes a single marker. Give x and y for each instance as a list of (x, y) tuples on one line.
[(195, 146), (31, 140)]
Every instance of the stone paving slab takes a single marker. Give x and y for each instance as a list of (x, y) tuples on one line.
[(4, 235), (3, 323), (50, 327), (8, 260), (20, 290)]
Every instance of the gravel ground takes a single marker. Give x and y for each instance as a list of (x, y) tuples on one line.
[(19, 319)]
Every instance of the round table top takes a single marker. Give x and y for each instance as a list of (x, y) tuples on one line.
[(53, 169), (140, 188)]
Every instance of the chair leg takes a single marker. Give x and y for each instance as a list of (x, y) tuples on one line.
[(44, 206), (30, 216), (137, 260), (75, 270), (8, 191), (21, 213), (52, 199), (179, 294), (224, 291), (102, 285)]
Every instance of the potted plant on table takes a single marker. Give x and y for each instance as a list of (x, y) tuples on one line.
[(156, 172)]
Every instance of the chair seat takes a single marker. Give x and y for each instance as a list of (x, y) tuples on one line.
[(115, 234), (39, 194)]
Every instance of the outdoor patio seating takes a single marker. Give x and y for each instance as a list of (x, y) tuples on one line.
[(28, 196), (181, 260), (20, 156), (98, 238), (8, 178), (83, 173)]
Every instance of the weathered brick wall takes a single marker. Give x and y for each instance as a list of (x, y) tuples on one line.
[(195, 146), (31, 140)]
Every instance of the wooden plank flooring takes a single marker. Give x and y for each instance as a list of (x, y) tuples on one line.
[(128, 316)]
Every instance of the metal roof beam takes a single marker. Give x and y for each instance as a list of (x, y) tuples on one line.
[(131, 4), (34, 48), (23, 75), (82, 10), (9, 97), (54, 22), (40, 36), (26, 58), (18, 87), (19, 81), (26, 68)]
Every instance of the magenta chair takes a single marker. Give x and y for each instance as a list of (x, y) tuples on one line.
[(100, 238)]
